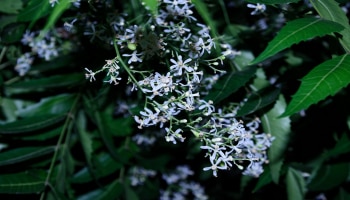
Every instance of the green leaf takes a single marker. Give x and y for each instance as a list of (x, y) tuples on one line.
[(280, 129), (329, 176), (19, 155), (113, 191), (296, 31), (324, 80), (30, 124), (42, 135), (152, 5), (272, 1), (104, 165), (51, 105), (258, 100), (40, 84), (130, 193), (56, 13), (264, 179), (296, 186), (11, 6), (203, 11), (229, 83), (35, 10), (85, 138), (22, 183), (12, 33), (330, 10), (342, 195)]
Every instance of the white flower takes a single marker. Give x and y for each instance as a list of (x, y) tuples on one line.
[(23, 64), (133, 57), (90, 75), (258, 8), (179, 65)]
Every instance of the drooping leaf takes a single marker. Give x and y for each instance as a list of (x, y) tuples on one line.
[(296, 186), (40, 84), (11, 6), (264, 179), (56, 13), (202, 9), (30, 124), (105, 165), (330, 10), (280, 129), (296, 31), (19, 155), (258, 100), (229, 83), (272, 1), (152, 5), (12, 33), (23, 182), (51, 105), (85, 139), (35, 10), (329, 176), (113, 191), (324, 80)]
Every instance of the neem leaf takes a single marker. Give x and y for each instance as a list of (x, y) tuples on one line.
[(324, 80), (51, 105), (296, 31), (279, 128), (56, 13), (330, 10), (152, 5), (23, 182), (258, 100), (12, 32), (296, 186), (30, 124), (329, 176), (34, 11), (19, 155), (11, 6), (264, 179), (40, 84), (229, 83), (272, 1)]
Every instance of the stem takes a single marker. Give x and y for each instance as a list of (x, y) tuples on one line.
[(60, 139), (3, 53), (126, 68)]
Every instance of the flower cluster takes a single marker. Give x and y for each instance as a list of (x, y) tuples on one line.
[(175, 86), (44, 47)]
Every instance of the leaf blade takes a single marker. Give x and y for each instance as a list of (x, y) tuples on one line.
[(324, 80), (296, 31)]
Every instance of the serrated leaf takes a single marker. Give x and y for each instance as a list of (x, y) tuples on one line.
[(324, 80), (258, 100), (19, 155), (41, 84), (296, 186), (11, 6), (280, 129), (113, 191), (329, 176), (12, 33), (264, 179), (51, 105), (229, 83), (296, 31), (330, 10), (152, 5), (85, 138), (56, 13), (30, 124), (35, 10), (22, 183), (272, 1)]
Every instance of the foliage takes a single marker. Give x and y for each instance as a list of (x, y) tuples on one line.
[(181, 99)]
